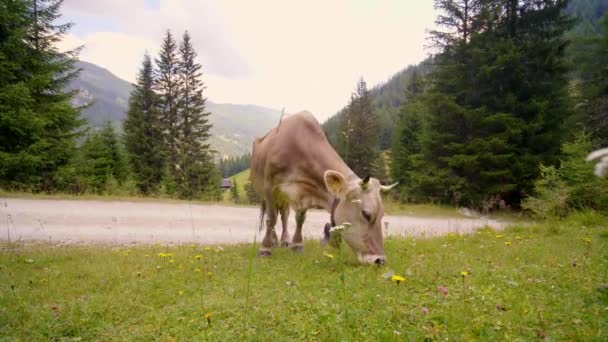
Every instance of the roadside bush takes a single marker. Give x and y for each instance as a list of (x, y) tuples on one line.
[(573, 186)]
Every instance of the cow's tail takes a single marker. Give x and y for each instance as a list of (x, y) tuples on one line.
[(262, 213)]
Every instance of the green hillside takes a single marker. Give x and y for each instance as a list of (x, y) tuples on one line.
[(242, 178)]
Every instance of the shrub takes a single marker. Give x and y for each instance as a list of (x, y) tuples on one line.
[(572, 186)]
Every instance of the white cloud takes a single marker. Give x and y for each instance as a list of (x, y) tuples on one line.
[(120, 53), (293, 54)]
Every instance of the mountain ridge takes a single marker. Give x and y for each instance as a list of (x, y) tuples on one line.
[(235, 126)]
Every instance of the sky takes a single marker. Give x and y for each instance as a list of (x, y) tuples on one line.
[(297, 55)]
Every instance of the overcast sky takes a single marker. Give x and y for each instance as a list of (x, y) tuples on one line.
[(275, 53)]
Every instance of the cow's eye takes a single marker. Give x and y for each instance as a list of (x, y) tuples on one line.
[(367, 215)]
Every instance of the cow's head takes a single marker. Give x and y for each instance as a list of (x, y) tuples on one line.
[(360, 205)]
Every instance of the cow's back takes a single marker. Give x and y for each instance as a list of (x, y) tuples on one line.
[(286, 149)]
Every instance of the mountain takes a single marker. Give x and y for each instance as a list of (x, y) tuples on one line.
[(234, 125), (107, 94)]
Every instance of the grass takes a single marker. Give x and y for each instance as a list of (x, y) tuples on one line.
[(544, 283)]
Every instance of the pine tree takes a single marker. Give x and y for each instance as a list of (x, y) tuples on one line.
[(499, 98), (408, 167), (102, 160), (38, 125), (194, 154), (143, 132), (119, 168), (359, 132), (591, 57), (167, 86), (234, 191), (252, 196)]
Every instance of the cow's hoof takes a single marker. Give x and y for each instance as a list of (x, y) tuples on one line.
[(264, 253), (297, 248), (284, 244)]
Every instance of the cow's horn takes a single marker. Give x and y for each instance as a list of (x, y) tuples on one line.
[(366, 179), (386, 188)]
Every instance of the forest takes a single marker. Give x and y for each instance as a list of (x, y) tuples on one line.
[(501, 114)]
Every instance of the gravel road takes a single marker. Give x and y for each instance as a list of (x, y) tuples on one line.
[(121, 222)]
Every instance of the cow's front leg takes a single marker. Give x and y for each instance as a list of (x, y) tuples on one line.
[(297, 242), (284, 223), (271, 221)]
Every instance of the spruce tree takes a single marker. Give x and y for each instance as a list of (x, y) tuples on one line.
[(252, 196), (38, 125), (359, 132), (498, 99), (591, 57), (102, 160), (167, 86), (194, 154), (109, 138), (143, 132), (234, 191), (408, 168)]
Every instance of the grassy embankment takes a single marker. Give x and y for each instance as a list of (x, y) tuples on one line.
[(530, 282)]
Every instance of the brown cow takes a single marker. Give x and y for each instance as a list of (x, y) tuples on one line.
[(294, 165)]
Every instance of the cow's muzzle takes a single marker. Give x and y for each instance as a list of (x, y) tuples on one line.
[(377, 259)]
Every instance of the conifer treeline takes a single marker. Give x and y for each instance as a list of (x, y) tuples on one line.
[(167, 128), (232, 165), (491, 106), (497, 106), (38, 124)]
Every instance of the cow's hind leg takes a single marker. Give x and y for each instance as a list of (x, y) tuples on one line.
[(271, 220), (284, 223), (297, 242)]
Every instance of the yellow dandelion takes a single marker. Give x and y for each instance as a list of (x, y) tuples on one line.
[(516, 259), (499, 236), (207, 248), (181, 292), (587, 240), (162, 255), (518, 237), (464, 273), (197, 270), (329, 256), (171, 261), (209, 274), (507, 243), (397, 278), (208, 316), (198, 257)]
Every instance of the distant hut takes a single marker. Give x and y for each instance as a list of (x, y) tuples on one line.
[(226, 184)]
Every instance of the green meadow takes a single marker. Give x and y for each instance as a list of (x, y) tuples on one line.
[(528, 282)]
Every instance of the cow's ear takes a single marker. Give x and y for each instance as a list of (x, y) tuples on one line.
[(334, 181)]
